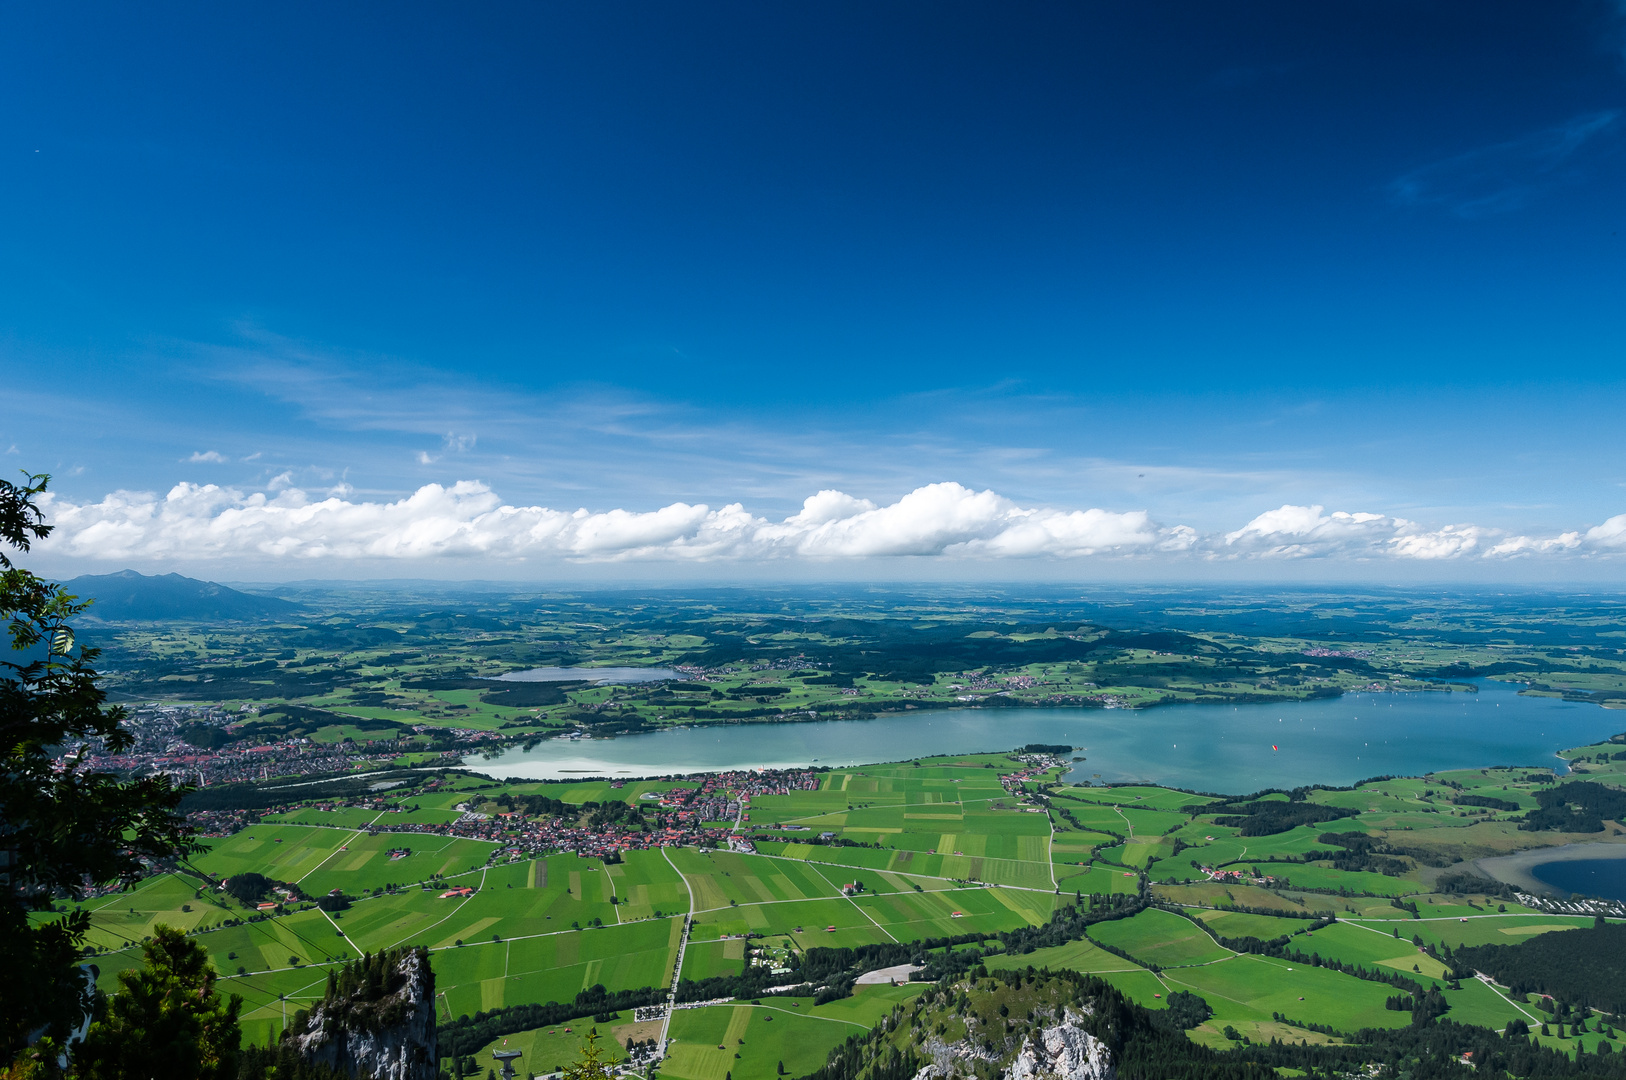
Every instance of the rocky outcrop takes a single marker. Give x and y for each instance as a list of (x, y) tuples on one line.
[(1064, 1052), (1061, 1051), (377, 1020)]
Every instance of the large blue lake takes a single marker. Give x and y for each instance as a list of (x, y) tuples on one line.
[(1593, 877), (1226, 748)]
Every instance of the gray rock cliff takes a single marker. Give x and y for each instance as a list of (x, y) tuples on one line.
[(1061, 1051), (377, 1020)]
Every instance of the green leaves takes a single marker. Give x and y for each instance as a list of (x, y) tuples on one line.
[(63, 826), (21, 519), (166, 1020)]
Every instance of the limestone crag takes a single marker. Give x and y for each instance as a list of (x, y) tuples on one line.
[(376, 1021), (1065, 1052), (1061, 1051)]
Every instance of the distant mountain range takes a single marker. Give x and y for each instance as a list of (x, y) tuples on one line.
[(129, 596)]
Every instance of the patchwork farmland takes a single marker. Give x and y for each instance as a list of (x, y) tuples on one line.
[(967, 854)]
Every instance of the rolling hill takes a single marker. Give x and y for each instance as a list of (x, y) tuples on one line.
[(131, 596)]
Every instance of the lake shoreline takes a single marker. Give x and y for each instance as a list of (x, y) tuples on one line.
[(1515, 869), (1217, 748)]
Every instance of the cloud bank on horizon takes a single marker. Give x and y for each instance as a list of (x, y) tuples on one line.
[(469, 521)]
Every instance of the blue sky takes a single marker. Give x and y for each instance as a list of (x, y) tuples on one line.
[(265, 275)]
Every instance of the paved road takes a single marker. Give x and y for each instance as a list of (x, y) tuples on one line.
[(677, 972)]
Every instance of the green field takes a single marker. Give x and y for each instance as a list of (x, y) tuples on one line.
[(1247, 990), (1162, 939), (939, 848), (752, 1040), (1075, 955)]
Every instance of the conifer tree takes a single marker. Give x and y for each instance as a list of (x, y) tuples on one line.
[(165, 1021), (593, 1063), (62, 826)]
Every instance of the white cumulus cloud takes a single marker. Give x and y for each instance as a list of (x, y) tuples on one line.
[(211, 457), (945, 520), (1529, 545), (1611, 534), (1297, 532), (205, 521)]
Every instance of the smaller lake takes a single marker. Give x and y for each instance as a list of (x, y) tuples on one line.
[(1594, 877), (591, 674), (1225, 748)]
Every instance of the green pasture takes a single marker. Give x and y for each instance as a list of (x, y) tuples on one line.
[(705, 959), (1477, 1003), (1216, 895), (1160, 937), (1139, 985), (344, 817), (1228, 848), (1508, 783), (1371, 948), (1141, 853), (517, 899), (1570, 1044), (879, 916), (526, 933), (412, 761), (1144, 822), (458, 788), (901, 861), (1150, 798), (120, 919), (803, 921), (529, 897), (1483, 929), (363, 863), (1248, 989), (270, 982), (555, 966), (409, 916), (336, 733), (1097, 878), (1093, 817), (1174, 871), (1114, 854), (644, 883), (912, 915), (1240, 924), (721, 879), (788, 1030), (837, 862), (280, 852), (798, 807), (931, 821), (1312, 876), (1071, 844), (1082, 955)]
